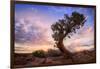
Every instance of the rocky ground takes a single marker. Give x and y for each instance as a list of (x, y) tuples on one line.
[(28, 60)]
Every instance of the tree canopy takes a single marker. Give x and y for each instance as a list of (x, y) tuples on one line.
[(69, 24)]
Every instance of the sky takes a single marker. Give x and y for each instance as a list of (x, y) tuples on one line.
[(33, 28)]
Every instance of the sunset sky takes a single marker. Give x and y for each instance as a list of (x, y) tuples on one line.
[(33, 28)]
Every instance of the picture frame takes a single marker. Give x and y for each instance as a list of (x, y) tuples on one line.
[(19, 6)]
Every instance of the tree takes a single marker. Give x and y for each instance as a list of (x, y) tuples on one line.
[(65, 28)]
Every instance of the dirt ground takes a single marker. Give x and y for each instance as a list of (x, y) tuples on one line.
[(27, 60)]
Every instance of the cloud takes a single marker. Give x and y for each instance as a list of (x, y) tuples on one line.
[(32, 28), (83, 40)]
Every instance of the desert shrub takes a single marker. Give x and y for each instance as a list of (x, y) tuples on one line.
[(53, 53), (39, 53)]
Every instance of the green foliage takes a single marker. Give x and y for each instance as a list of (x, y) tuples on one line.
[(39, 53), (68, 25)]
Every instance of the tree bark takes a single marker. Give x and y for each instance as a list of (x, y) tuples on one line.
[(64, 51)]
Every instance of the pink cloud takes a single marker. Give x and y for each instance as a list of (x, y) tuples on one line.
[(84, 40), (39, 21)]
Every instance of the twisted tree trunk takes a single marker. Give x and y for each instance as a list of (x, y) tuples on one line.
[(64, 51)]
